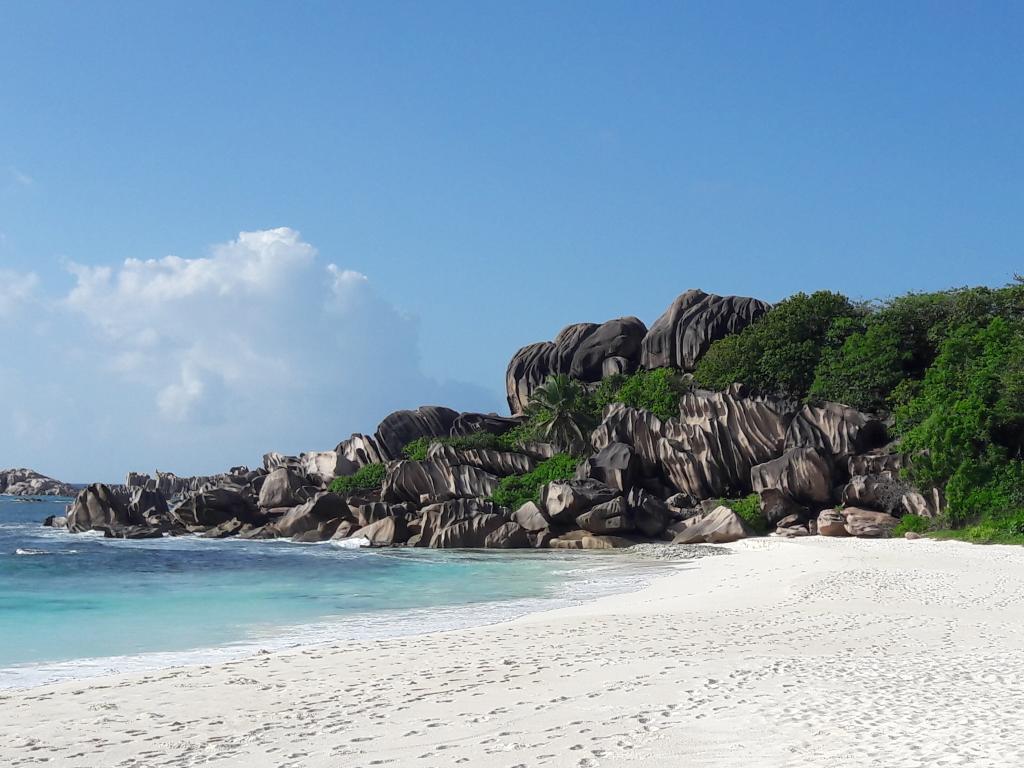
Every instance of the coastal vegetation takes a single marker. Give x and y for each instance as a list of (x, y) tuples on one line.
[(818, 415), (749, 510), (946, 368), (368, 478), (516, 490)]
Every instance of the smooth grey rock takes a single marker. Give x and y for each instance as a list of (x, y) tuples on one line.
[(434, 481), (28, 482), (718, 527), (617, 341), (96, 507), (497, 463), (616, 465), (587, 540), (651, 515), (681, 336), (832, 522), (563, 501), (491, 531), (868, 524), (835, 429), (383, 533), (776, 506), (530, 518), (321, 513), (400, 428), (284, 487), (802, 474), (585, 351), (610, 517), (213, 506)]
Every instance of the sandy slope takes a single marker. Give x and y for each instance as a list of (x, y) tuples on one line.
[(815, 652)]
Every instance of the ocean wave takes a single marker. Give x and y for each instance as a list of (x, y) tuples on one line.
[(31, 552), (350, 543), (577, 585)]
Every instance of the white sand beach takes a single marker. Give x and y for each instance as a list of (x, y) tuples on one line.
[(813, 652)]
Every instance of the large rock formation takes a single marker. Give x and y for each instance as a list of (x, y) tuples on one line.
[(28, 482), (402, 427), (585, 351), (96, 507), (709, 450), (681, 336), (214, 506), (835, 429), (646, 478), (802, 474), (719, 526), (416, 481)]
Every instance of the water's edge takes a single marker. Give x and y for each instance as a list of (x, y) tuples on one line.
[(624, 573)]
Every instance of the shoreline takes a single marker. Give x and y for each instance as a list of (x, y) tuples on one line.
[(809, 652), (585, 581)]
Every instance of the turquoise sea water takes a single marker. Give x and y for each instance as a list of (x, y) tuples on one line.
[(72, 605)]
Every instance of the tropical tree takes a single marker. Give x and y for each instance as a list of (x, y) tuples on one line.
[(560, 414)]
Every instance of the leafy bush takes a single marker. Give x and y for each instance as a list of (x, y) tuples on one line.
[(516, 490), (480, 440), (864, 370), (560, 413), (749, 509), (368, 478), (515, 438), (417, 449), (912, 524), (780, 351), (657, 391)]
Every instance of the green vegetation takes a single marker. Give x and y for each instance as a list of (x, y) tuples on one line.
[(559, 412), (368, 478), (780, 352), (912, 524), (514, 491), (657, 391), (965, 427), (948, 366), (417, 449), (749, 509)]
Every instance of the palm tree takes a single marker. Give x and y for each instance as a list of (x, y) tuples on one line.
[(558, 410)]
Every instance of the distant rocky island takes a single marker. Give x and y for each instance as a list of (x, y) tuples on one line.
[(610, 442), (27, 482)]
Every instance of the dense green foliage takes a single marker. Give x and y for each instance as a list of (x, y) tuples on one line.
[(516, 490), (780, 352), (559, 413), (965, 425), (368, 478), (657, 391), (949, 366), (749, 508), (911, 524), (417, 449)]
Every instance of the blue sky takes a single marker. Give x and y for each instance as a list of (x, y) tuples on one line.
[(481, 174)]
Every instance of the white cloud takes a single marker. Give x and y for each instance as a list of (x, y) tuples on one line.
[(197, 364), (16, 289), (22, 178)]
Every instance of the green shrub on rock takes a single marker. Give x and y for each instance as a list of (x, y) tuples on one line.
[(780, 351), (514, 491), (749, 510), (417, 449), (368, 478), (911, 524), (657, 391)]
